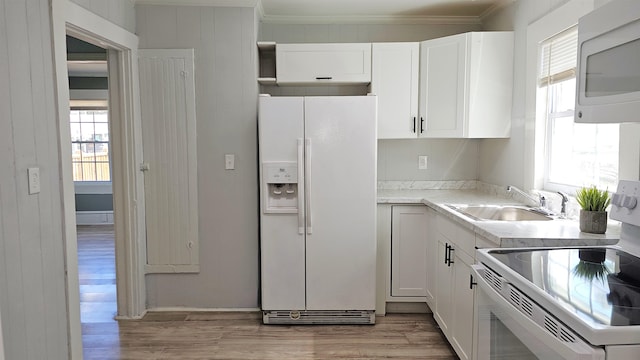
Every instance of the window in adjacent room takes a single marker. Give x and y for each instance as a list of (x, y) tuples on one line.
[(90, 143), (576, 154)]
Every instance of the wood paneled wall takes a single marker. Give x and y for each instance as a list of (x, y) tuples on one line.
[(224, 43), (32, 286)]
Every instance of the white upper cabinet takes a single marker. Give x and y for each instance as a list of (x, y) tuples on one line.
[(323, 64), (394, 80), (466, 83)]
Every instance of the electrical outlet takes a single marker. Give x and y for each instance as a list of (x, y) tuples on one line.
[(422, 162), (33, 174), (229, 161)]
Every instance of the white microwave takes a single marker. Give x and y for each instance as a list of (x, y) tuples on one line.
[(608, 74)]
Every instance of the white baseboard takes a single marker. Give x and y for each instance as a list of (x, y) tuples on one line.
[(94, 217)]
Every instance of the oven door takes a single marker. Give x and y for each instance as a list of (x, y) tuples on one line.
[(504, 331)]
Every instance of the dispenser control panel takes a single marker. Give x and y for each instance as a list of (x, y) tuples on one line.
[(280, 186), (280, 172)]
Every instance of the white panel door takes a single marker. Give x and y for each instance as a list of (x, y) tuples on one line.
[(167, 99), (409, 228), (394, 79), (442, 86), (443, 291), (341, 202), (282, 248)]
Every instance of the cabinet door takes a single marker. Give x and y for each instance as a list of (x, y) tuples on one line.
[(323, 64), (394, 80), (443, 291), (442, 86), (408, 250), (463, 298)]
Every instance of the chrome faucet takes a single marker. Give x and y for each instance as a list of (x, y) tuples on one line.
[(565, 199), (541, 201)]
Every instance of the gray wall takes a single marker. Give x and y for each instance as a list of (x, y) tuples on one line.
[(397, 159), (119, 12), (304, 33), (224, 40), (32, 284)]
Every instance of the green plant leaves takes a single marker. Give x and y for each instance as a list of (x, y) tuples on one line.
[(592, 199)]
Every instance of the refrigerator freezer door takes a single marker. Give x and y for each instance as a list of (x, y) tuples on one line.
[(341, 201), (282, 247)]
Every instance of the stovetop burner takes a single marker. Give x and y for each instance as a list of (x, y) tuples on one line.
[(599, 285)]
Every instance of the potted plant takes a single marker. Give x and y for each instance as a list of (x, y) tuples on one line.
[(593, 214)]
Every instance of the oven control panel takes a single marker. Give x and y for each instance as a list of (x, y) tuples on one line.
[(624, 202)]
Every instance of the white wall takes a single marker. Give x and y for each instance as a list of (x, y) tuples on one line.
[(397, 159), (32, 280), (119, 12), (503, 161), (224, 40)]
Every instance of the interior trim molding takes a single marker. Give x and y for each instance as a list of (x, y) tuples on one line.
[(371, 19), (495, 7), (219, 3)]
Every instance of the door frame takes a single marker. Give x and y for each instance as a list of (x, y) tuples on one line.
[(128, 186)]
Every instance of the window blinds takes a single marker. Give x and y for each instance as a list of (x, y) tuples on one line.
[(559, 57)]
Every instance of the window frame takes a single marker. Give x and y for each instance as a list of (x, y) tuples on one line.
[(547, 87), (97, 105), (534, 132)]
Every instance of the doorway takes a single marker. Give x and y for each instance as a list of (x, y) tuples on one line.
[(91, 163), (125, 142)]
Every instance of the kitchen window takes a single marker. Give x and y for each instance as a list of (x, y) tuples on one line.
[(576, 155), (90, 144)]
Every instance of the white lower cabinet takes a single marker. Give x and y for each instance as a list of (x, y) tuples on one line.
[(402, 259), (453, 294), (409, 250)]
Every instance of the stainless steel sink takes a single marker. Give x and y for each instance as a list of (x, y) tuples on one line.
[(501, 213)]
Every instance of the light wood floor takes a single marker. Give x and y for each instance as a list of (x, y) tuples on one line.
[(216, 335)]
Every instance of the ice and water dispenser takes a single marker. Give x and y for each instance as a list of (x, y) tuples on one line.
[(280, 187)]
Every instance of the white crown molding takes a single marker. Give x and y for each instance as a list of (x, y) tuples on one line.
[(371, 19), (260, 10), (220, 3), (495, 7)]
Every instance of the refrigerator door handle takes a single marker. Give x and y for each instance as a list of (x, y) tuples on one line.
[(300, 184), (307, 183)]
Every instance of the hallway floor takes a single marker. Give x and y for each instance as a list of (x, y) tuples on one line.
[(97, 273)]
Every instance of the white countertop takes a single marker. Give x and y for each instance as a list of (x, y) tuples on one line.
[(557, 232)]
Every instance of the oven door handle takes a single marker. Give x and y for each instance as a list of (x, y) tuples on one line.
[(529, 332)]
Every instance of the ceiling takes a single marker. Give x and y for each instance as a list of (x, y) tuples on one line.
[(350, 10)]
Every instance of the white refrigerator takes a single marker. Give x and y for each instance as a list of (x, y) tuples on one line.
[(318, 208)]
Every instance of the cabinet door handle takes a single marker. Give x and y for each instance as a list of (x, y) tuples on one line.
[(449, 261), (421, 124), (414, 124), (324, 77), (446, 253), (471, 282)]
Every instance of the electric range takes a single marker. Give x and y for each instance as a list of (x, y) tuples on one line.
[(587, 295)]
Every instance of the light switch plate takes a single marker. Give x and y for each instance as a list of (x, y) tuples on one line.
[(33, 173), (422, 162), (229, 161)]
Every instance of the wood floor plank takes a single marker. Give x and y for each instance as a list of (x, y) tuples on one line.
[(231, 335)]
